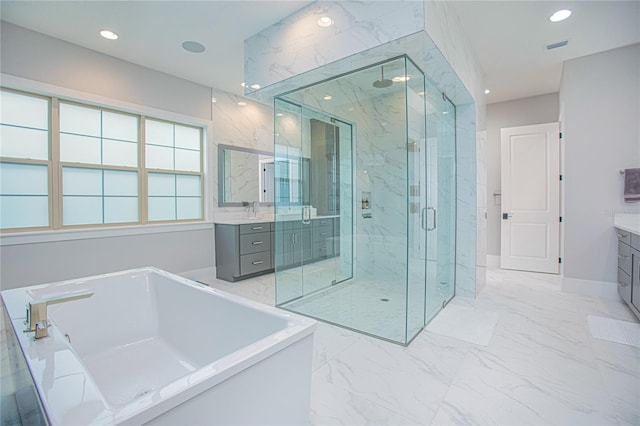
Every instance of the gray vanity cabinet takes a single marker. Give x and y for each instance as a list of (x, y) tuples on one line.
[(629, 269), (251, 249), (635, 272), (243, 251)]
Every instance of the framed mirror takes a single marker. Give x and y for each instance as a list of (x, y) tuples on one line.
[(244, 174)]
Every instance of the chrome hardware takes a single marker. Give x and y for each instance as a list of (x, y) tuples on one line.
[(37, 312), (434, 219), (257, 243), (306, 215), (621, 256), (422, 217), (621, 284), (257, 262), (323, 233), (622, 236), (256, 228)]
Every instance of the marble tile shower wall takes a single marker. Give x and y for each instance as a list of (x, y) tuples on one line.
[(357, 26), (380, 165)]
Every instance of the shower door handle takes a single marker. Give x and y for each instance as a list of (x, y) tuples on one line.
[(422, 218), (435, 224)]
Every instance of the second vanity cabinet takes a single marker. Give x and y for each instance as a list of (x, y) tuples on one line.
[(629, 269), (249, 249)]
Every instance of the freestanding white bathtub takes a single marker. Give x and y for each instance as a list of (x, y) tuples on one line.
[(150, 346)]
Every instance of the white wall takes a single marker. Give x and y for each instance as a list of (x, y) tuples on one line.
[(520, 112), (600, 100)]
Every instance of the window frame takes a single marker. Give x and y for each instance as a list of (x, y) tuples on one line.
[(55, 166)]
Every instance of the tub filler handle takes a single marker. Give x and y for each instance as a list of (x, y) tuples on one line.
[(37, 312)]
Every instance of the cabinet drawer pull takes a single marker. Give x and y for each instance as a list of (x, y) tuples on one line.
[(323, 222), (324, 233), (622, 236), (621, 256), (257, 243), (257, 262), (323, 249), (256, 228), (621, 284)]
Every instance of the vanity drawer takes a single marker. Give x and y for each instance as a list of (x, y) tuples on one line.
[(254, 243), (256, 262), (321, 233), (624, 257), (624, 236), (635, 241), (322, 222), (251, 228), (624, 285), (322, 249)]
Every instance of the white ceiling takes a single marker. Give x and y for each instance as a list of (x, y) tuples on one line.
[(509, 37)]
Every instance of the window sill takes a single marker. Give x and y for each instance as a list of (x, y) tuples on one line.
[(18, 238)]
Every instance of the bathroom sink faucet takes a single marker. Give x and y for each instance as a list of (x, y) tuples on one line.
[(37, 312)]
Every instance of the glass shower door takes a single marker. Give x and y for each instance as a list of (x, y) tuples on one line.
[(313, 235), (441, 198)]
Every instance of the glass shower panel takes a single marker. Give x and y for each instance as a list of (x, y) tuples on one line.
[(441, 197), (417, 234), (288, 157)]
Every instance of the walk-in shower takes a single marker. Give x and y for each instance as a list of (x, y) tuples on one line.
[(365, 200)]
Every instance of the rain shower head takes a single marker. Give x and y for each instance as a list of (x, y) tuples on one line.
[(382, 83)]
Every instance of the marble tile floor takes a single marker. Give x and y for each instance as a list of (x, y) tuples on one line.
[(541, 365)]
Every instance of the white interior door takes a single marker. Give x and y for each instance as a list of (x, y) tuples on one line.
[(530, 230)]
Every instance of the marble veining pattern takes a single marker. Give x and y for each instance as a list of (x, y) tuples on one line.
[(541, 365)]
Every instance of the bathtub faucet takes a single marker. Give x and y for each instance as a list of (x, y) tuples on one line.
[(37, 312)]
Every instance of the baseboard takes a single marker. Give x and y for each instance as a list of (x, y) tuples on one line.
[(596, 289), (204, 275), (493, 261)]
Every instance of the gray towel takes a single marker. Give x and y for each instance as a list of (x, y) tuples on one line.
[(631, 185)]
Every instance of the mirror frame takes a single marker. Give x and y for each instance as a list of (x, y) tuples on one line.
[(221, 149)]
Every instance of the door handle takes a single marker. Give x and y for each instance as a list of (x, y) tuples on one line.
[(506, 216), (422, 218), (435, 224)]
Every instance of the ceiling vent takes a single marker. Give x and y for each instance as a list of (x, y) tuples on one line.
[(558, 44)]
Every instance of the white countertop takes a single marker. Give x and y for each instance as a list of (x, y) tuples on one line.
[(284, 218), (627, 222)]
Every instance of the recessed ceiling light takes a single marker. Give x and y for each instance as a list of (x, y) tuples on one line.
[(325, 21), (193, 46), (242, 103), (560, 15), (214, 100), (255, 86), (108, 34), (487, 91), (401, 78), (327, 97)]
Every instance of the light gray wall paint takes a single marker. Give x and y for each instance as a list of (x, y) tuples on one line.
[(520, 112), (600, 100), (177, 252), (38, 57), (35, 56)]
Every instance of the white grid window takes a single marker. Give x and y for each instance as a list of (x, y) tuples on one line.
[(24, 161), (96, 170), (174, 148)]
